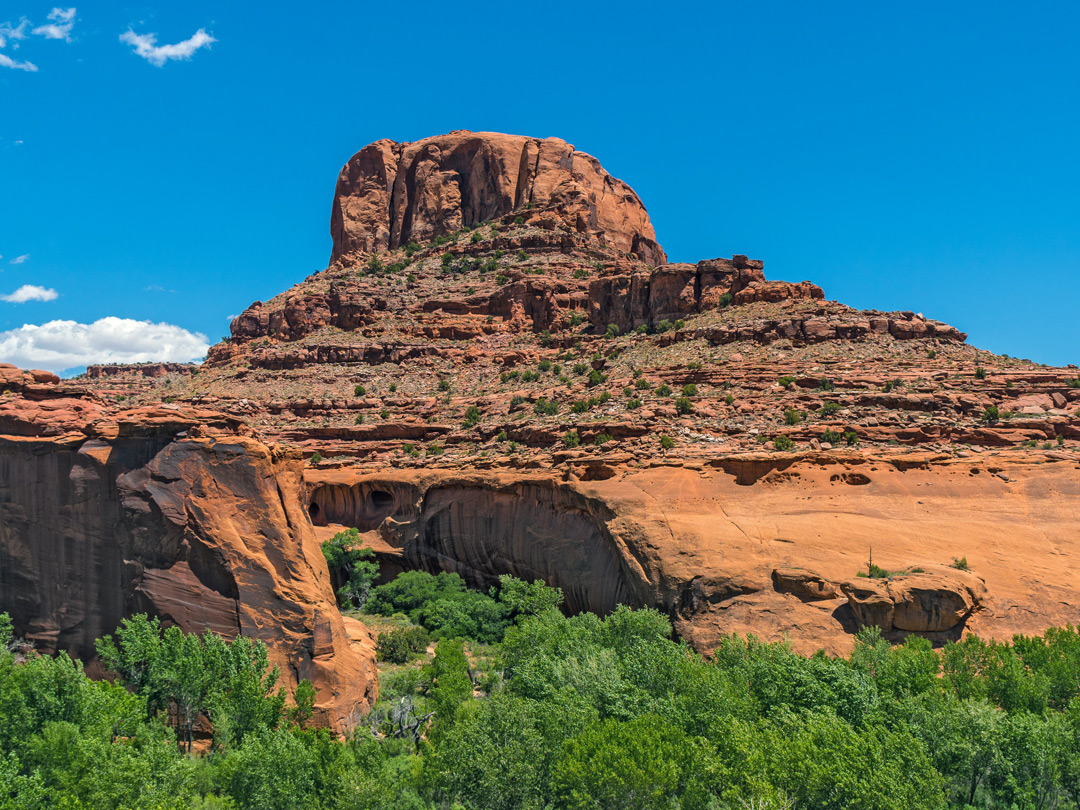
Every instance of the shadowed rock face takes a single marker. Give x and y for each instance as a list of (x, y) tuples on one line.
[(389, 193), (480, 529), (176, 515)]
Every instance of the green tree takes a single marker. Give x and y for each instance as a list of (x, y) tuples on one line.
[(352, 565)]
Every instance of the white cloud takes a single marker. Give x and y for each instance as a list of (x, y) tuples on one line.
[(146, 47), (30, 292), (20, 259), (60, 345), (13, 33), (14, 64), (63, 20)]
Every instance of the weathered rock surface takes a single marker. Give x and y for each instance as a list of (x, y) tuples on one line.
[(389, 193), (176, 513), (918, 602)]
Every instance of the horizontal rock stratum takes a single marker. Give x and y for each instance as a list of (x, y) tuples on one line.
[(389, 193)]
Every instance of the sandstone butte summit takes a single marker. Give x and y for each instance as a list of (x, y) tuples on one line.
[(499, 372)]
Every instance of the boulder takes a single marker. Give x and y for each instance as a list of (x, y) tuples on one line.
[(930, 601)]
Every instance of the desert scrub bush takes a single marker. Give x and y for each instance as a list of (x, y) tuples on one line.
[(825, 385), (411, 248), (991, 415), (829, 408), (472, 416), (689, 390), (851, 437), (316, 457), (384, 414), (786, 381), (960, 563), (663, 390), (546, 407), (435, 449), (633, 404), (603, 438), (501, 436), (694, 365), (581, 272), (729, 400), (444, 385), (359, 391), (399, 645), (571, 438), (596, 378), (725, 300), (530, 376), (683, 405), (579, 406), (544, 365), (501, 279), (663, 326), (576, 319), (642, 384), (579, 368), (783, 443), (507, 376), (1073, 383), (666, 442), (359, 420), (831, 437), (792, 416), (612, 330), (980, 373)]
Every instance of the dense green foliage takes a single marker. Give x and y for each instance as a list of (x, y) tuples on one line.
[(562, 712), (443, 605), (352, 565)]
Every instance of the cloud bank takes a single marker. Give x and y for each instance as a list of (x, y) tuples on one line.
[(20, 259), (29, 292), (60, 345), (146, 47)]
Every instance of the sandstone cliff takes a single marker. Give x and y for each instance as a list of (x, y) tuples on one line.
[(178, 513)]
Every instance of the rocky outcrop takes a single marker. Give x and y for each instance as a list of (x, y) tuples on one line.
[(179, 514), (917, 602), (669, 292), (152, 370), (389, 193)]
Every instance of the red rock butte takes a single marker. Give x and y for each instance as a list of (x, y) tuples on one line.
[(390, 194), (500, 373)]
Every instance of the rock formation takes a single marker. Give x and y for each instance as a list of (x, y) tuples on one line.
[(390, 194), (175, 512), (502, 374)]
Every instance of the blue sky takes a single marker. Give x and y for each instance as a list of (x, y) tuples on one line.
[(906, 156)]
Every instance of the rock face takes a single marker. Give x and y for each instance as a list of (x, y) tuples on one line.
[(178, 514), (390, 194), (747, 544), (919, 602)]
